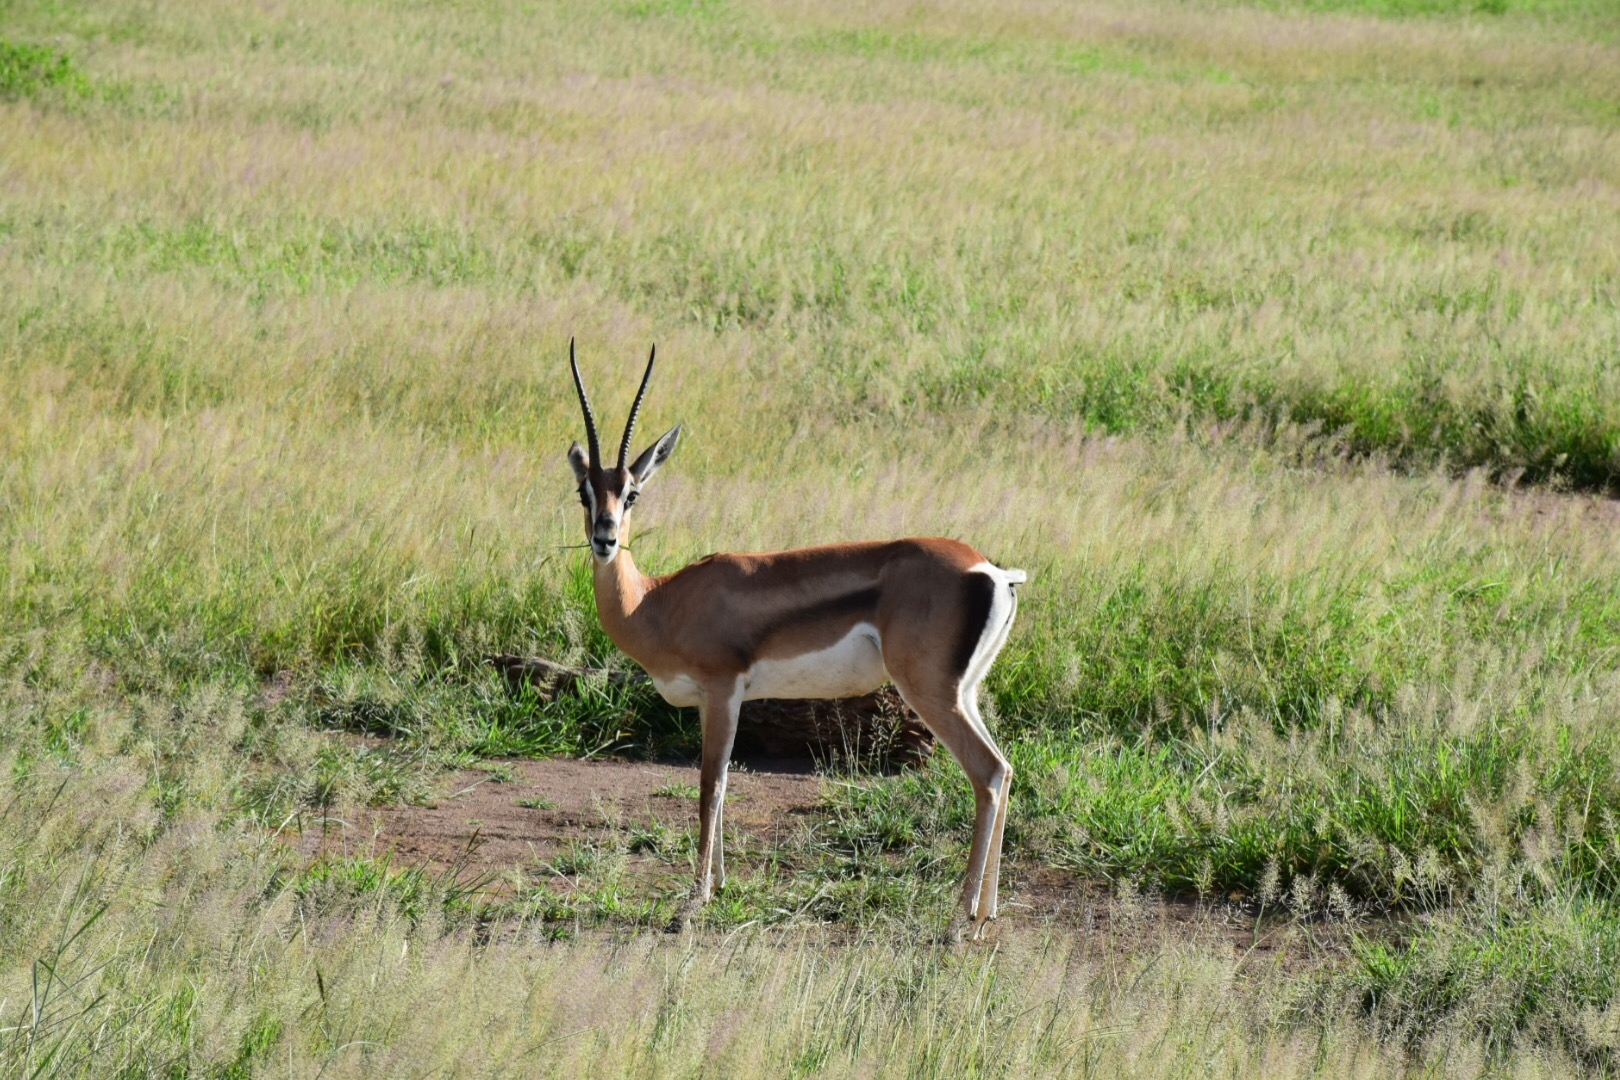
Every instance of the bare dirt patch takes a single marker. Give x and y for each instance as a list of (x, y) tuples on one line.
[(521, 814)]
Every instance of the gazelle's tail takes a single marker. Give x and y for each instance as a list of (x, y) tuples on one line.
[(1014, 577)]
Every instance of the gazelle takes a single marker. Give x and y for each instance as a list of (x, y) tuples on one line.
[(821, 622)]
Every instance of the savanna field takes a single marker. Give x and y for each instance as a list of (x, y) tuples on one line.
[(1279, 342)]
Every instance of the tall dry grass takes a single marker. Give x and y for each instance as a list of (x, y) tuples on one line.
[(1400, 231), (171, 947), (1145, 299)]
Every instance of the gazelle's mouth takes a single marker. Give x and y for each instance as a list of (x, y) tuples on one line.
[(604, 549)]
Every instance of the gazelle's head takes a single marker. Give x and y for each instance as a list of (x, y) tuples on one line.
[(607, 492)]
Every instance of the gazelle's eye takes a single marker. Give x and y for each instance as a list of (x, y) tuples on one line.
[(630, 499), (584, 499)]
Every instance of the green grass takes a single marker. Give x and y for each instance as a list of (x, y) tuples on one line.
[(31, 70), (1482, 974), (677, 791)]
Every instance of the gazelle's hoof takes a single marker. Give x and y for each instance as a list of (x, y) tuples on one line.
[(684, 917), (687, 913), (963, 930)]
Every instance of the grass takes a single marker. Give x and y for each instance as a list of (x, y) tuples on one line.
[(31, 70), (1223, 320), (1475, 972), (1393, 296)]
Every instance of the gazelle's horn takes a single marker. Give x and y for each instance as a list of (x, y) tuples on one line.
[(585, 403), (630, 425)]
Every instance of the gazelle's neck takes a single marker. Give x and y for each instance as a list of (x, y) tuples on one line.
[(620, 589)]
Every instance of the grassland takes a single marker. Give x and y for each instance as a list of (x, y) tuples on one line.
[(1278, 342)]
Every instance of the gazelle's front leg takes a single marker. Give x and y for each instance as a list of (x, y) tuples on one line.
[(721, 702)]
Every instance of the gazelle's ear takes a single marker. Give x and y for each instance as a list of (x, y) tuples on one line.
[(581, 463), (655, 455)]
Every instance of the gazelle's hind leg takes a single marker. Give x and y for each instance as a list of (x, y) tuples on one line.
[(992, 864), (986, 770), (970, 703), (946, 697)]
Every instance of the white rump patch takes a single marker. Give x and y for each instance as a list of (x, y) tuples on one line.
[(1003, 606), (851, 667)]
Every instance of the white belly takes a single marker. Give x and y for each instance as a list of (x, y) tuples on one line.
[(852, 666), (681, 691), (849, 668)]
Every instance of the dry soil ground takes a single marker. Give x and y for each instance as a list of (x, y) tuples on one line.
[(511, 820), (522, 814)]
